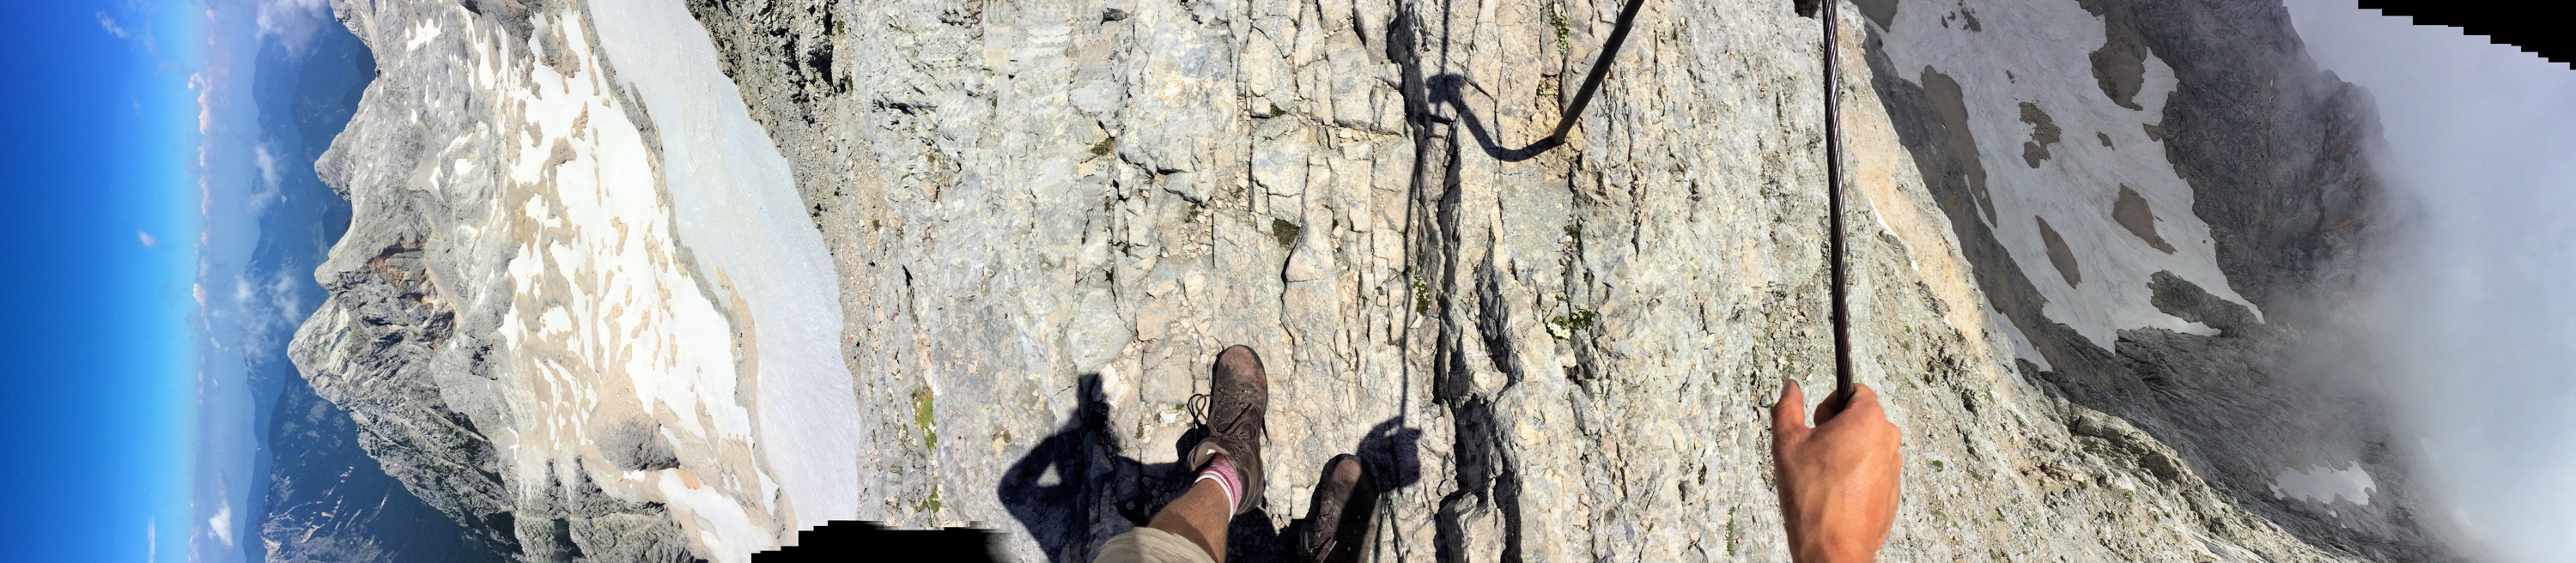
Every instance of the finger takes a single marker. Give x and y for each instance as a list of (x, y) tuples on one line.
[(1790, 414), (1876, 413), (1832, 406), (1859, 403), (1862, 413), (1864, 400)]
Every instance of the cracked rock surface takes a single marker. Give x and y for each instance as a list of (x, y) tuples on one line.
[(1043, 218)]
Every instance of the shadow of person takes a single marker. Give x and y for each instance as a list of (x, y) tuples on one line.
[(1066, 492), (1073, 490)]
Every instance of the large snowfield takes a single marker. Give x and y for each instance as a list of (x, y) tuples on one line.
[(673, 252)]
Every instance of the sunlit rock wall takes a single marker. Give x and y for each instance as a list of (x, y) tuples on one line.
[(598, 256)]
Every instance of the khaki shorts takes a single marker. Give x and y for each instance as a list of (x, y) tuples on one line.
[(1148, 545)]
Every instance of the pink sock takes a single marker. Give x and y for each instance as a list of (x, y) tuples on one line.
[(1221, 470)]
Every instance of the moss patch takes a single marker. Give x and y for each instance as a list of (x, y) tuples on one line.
[(1564, 34), (921, 416), (929, 504), (1285, 232), (1731, 536)]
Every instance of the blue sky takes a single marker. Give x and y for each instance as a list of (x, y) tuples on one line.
[(97, 221), (137, 177)]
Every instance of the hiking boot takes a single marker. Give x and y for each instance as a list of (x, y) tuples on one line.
[(1238, 401), (1343, 513)]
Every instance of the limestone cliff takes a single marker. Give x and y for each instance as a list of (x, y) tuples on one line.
[(646, 280)]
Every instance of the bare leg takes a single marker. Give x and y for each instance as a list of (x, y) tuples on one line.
[(1200, 515), (1229, 459)]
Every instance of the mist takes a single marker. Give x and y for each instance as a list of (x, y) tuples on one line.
[(2470, 320)]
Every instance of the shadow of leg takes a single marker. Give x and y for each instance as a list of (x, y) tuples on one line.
[(1055, 491), (1152, 486), (1390, 459), (1074, 490)]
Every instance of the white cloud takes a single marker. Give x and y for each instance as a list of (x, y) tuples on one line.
[(2472, 321), (147, 238), (109, 24), (269, 311), (2324, 484), (221, 524), (268, 192), (267, 162), (243, 292), (293, 22)]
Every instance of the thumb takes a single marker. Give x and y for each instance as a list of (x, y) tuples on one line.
[(1790, 414)]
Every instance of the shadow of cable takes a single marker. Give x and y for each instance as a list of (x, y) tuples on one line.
[(1450, 89), (1447, 87), (1487, 493)]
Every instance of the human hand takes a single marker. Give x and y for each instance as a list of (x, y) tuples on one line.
[(1837, 480)]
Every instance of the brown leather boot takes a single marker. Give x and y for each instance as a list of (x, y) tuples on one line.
[(1238, 402), (1342, 515)]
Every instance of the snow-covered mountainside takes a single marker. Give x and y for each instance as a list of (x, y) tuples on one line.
[(663, 280)]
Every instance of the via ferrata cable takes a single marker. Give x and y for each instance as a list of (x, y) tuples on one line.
[(1834, 206), (1591, 82), (1833, 165)]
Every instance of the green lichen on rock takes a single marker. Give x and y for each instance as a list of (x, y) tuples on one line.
[(1564, 34), (921, 409), (1285, 232), (930, 504), (1731, 536)]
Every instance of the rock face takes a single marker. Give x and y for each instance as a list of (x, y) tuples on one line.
[(327, 502), (584, 309)]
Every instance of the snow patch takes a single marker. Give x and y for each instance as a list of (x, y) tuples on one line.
[(725, 528), (2321, 484), (2039, 54), (608, 313), (735, 208), (421, 35), (2022, 347)]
